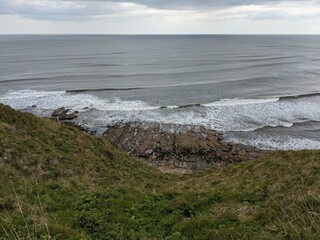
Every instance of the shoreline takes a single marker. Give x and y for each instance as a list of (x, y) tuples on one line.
[(179, 149), (171, 148), (86, 187)]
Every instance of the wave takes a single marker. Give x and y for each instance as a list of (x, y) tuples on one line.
[(81, 102), (65, 77), (315, 60), (102, 89), (98, 64), (190, 105), (298, 122), (305, 95), (44, 60), (276, 142), (273, 64), (23, 79), (267, 46), (283, 124), (225, 115), (267, 59), (225, 102), (28, 93), (239, 101), (117, 53), (247, 101)]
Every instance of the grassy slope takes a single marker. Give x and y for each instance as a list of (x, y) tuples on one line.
[(57, 182)]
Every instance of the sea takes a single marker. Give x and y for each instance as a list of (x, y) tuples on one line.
[(258, 90)]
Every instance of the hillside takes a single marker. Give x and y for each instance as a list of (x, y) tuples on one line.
[(60, 183)]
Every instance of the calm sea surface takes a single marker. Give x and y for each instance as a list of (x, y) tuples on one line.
[(258, 90)]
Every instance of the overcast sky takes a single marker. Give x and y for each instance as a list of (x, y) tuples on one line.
[(160, 16)]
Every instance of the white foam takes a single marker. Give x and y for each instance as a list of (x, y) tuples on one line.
[(278, 142), (225, 115), (239, 101), (28, 94), (281, 124), (173, 106), (55, 99)]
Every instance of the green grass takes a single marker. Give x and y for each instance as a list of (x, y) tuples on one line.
[(60, 183)]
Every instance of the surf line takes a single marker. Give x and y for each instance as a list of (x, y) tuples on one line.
[(300, 96), (102, 89)]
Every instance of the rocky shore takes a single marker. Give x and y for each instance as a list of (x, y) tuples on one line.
[(170, 148), (179, 149)]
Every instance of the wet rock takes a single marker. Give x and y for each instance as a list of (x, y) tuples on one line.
[(190, 105), (57, 112), (62, 114), (65, 116), (179, 147)]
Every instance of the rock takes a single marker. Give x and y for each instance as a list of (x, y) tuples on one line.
[(62, 114), (190, 105), (149, 151), (65, 116), (34, 106), (183, 146), (58, 112), (93, 132)]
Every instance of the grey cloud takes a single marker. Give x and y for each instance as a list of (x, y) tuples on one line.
[(185, 3), (59, 10), (195, 4), (87, 9)]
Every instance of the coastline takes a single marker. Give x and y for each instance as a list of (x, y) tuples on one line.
[(170, 148), (70, 184), (179, 149)]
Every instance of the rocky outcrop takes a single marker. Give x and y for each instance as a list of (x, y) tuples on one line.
[(62, 114), (180, 149), (170, 148)]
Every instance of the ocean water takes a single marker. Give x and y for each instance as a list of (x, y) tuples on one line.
[(258, 90)]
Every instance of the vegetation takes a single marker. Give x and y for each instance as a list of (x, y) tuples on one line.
[(60, 183)]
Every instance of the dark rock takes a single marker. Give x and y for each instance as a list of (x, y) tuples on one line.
[(190, 105), (65, 116), (183, 148), (93, 132), (58, 112), (62, 114), (34, 106)]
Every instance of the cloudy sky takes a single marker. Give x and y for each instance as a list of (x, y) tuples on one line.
[(160, 16)]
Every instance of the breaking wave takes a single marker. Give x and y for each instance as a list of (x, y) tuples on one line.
[(226, 115)]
